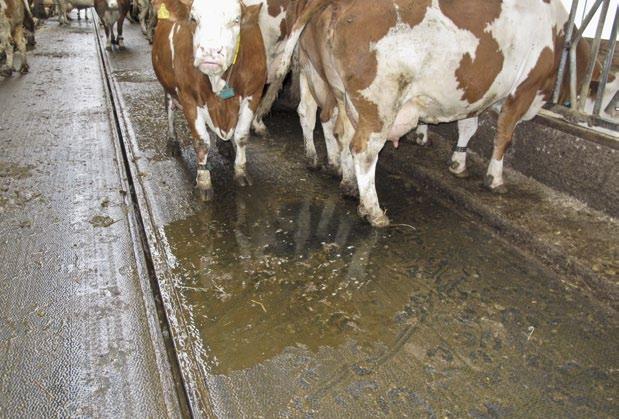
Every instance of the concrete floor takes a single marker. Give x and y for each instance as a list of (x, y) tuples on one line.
[(280, 300), (78, 336)]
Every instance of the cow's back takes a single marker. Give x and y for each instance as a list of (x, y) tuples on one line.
[(426, 51)]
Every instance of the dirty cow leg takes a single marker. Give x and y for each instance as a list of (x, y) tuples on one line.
[(5, 46), (365, 169), (307, 114), (511, 113), (466, 130), (241, 136), (119, 30), (334, 164), (349, 181), (22, 47), (109, 37), (201, 144), (421, 134), (173, 145)]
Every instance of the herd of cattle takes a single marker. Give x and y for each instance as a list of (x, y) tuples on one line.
[(374, 69)]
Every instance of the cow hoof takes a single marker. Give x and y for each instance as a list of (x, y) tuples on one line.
[(6, 72), (498, 189), (312, 163), (332, 170), (108, 48), (460, 174), (173, 147), (243, 180), (349, 190), (260, 129), (204, 195), (377, 219), (24, 68), (422, 140)]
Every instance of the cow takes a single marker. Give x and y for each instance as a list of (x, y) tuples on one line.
[(147, 18), (215, 72), (112, 12), (15, 20), (391, 64), (192, 79), (65, 7)]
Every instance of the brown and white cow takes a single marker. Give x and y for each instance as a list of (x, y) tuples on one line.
[(391, 64), (189, 84), (112, 12), (15, 19), (66, 6)]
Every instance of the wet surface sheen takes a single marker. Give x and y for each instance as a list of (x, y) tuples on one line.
[(303, 308)]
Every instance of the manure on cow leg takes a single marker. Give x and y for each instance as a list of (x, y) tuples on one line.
[(500, 190)]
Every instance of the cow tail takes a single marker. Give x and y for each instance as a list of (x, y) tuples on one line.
[(283, 65)]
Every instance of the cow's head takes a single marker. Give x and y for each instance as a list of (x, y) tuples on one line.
[(217, 34)]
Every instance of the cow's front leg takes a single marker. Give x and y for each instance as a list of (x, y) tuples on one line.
[(241, 137), (365, 170), (5, 46), (201, 143), (22, 47), (466, 130), (307, 114), (78, 14), (119, 29), (334, 159), (348, 185), (173, 146), (109, 37)]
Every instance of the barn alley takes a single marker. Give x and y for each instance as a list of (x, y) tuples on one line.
[(123, 295)]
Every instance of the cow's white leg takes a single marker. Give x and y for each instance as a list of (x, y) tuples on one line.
[(202, 145), (241, 136), (307, 114), (109, 35), (7, 48), (173, 146), (348, 185), (365, 169), (22, 47), (421, 134), (466, 130), (334, 164)]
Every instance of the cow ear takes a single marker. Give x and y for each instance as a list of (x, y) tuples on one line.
[(187, 3)]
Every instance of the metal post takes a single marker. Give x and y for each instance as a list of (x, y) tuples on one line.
[(592, 61), (564, 54), (607, 65)]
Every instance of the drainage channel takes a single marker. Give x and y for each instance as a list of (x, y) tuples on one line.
[(140, 235)]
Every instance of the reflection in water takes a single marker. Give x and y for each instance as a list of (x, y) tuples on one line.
[(293, 292)]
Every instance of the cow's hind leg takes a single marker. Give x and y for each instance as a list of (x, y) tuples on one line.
[(241, 136), (511, 113), (109, 37), (307, 114), (420, 135), (365, 170), (466, 130)]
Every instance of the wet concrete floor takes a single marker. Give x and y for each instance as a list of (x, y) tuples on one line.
[(288, 305), (78, 337)]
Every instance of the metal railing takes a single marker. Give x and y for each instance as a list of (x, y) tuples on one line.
[(572, 37)]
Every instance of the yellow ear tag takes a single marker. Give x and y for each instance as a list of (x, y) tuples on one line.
[(163, 12), (238, 47)]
